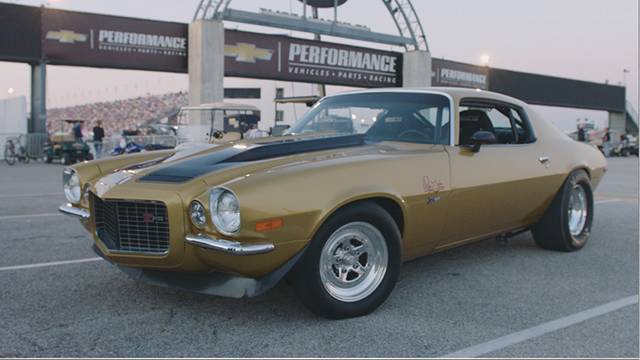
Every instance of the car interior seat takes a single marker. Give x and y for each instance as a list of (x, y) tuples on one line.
[(472, 121), (392, 123)]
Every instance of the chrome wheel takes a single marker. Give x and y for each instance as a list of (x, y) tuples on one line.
[(353, 262), (577, 210)]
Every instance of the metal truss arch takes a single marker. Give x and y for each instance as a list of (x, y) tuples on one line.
[(401, 11), (211, 9), (407, 22)]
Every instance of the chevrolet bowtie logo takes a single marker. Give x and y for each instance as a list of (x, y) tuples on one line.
[(66, 36), (247, 53)]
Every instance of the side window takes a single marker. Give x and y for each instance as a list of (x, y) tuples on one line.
[(438, 119), (507, 123)]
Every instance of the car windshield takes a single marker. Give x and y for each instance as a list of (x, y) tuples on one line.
[(390, 116)]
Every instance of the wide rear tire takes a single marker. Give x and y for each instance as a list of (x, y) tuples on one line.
[(566, 225), (352, 263)]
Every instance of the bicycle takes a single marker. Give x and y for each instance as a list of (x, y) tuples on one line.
[(13, 150)]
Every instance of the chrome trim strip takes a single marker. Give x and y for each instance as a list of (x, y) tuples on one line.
[(227, 246), (73, 211)]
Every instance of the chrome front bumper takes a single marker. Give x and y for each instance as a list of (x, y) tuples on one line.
[(228, 246), (200, 240), (73, 211)]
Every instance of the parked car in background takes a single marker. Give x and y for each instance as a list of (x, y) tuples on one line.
[(338, 208)]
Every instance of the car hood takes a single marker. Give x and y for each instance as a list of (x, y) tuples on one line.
[(193, 163)]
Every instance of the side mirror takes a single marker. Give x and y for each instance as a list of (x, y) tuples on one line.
[(482, 138)]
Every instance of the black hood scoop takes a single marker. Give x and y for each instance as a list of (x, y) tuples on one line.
[(185, 170)]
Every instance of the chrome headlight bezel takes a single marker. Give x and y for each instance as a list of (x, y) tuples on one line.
[(226, 222), (197, 213), (71, 185)]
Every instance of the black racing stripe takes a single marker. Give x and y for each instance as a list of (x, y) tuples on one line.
[(190, 168), (297, 146)]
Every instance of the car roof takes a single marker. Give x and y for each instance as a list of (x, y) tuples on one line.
[(453, 92), (308, 100)]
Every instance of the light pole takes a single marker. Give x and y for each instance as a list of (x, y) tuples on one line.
[(624, 73)]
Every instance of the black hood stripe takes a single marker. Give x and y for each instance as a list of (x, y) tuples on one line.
[(193, 167)]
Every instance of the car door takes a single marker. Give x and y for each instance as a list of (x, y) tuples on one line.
[(502, 186)]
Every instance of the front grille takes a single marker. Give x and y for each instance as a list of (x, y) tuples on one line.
[(132, 226)]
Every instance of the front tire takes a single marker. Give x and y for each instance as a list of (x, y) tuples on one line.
[(66, 159), (567, 223), (47, 158), (352, 263), (9, 156)]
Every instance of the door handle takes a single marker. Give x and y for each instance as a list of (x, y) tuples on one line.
[(544, 160)]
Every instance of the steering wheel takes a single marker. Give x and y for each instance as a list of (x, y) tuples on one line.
[(406, 132)]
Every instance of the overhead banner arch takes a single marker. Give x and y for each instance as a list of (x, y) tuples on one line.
[(290, 59)]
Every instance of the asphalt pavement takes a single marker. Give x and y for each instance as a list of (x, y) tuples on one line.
[(487, 299)]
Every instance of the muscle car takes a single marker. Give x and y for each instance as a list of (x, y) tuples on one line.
[(363, 182)]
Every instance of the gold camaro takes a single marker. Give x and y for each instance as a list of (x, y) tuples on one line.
[(362, 182)]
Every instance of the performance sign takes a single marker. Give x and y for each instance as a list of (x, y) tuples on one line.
[(451, 73), (73, 38), (283, 58)]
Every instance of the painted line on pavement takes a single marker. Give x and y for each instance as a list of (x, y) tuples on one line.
[(55, 263), (605, 201), (29, 216), (25, 195), (614, 198), (615, 194), (551, 326)]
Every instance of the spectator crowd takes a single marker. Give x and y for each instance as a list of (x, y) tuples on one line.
[(119, 115)]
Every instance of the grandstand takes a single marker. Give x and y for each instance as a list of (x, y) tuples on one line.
[(120, 115)]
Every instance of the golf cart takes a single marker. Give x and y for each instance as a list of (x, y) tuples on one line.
[(307, 100), (227, 121), (63, 145)]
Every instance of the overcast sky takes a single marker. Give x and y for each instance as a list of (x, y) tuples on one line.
[(590, 40)]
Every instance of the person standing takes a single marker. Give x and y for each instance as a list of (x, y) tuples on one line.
[(606, 142), (77, 131), (98, 134), (253, 132), (624, 139), (581, 132)]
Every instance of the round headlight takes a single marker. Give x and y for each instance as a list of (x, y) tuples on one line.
[(198, 215), (225, 210), (71, 185)]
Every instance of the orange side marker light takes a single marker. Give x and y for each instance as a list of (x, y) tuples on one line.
[(269, 225)]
